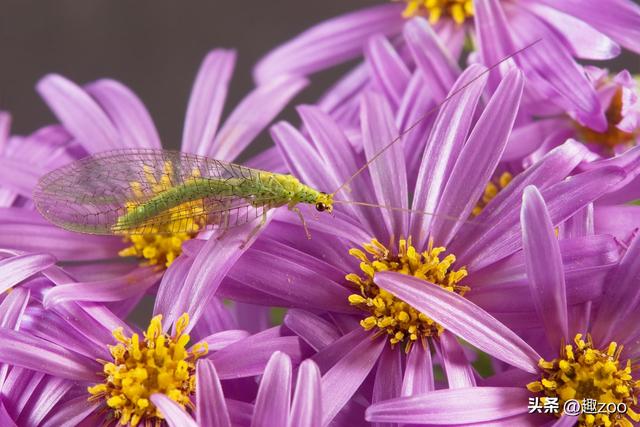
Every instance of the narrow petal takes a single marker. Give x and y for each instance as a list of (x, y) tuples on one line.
[(459, 372), (346, 376), (173, 414), (463, 318), (19, 176), (211, 407), (316, 331), (525, 139), (171, 298), (388, 70), (438, 68), (306, 409), (388, 171), (272, 403), (443, 148), (464, 405), (79, 113), (222, 339), (329, 43), (467, 184), (116, 289), (14, 270), (544, 267), (127, 113), (418, 373), (332, 354), (42, 356), (621, 22), (252, 115), (388, 377), (72, 412), (207, 101), (5, 418), (249, 357), (12, 308), (49, 392)]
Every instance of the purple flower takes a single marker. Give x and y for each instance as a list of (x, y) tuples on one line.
[(85, 363), (459, 158), (596, 368), (273, 406), (567, 29)]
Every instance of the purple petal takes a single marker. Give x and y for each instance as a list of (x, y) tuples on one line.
[(466, 184), (79, 113), (388, 71), (42, 356), (19, 176), (306, 409), (619, 304), (171, 300), (585, 42), (249, 357), (48, 394), (329, 43), (252, 115), (563, 200), (388, 171), (332, 354), (222, 339), (127, 113), (12, 308), (388, 378), (5, 418), (207, 101), (115, 289), (464, 405), (621, 22), (438, 68), (544, 267), (72, 412), (341, 381), (14, 270), (273, 400), (173, 414), (418, 375), (463, 318), (443, 147), (457, 368), (316, 331), (210, 404), (524, 140), (619, 221), (5, 130)]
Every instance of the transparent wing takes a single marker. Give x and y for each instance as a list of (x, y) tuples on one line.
[(92, 195)]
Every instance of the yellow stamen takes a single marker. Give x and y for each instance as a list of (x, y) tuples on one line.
[(584, 372), (491, 191), (158, 364), (161, 246), (457, 10), (400, 321)]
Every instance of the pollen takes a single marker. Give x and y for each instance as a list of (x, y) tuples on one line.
[(402, 323), (491, 191), (588, 374), (160, 245), (458, 10), (612, 136), (159, 363)]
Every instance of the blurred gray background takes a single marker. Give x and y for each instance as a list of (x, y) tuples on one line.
[(154, 47)]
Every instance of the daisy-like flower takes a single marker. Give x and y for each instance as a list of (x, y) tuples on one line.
[(106, 115), (274, 404), (95, 368), (588, 354), (568, 29), (332, 274)]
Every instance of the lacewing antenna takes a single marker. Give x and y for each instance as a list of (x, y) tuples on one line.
[(428, 113), (396, 208)]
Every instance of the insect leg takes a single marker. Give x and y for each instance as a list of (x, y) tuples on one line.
[(257, 228), (304, 223), (224, 224)]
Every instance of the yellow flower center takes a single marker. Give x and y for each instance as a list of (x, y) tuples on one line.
[(491, 191), (583, 372), (159, 245), (159, 364), (392, 316), (613, 136), (458, 10)]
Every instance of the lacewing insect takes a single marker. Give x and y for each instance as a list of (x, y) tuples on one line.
[(149, 191)]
